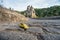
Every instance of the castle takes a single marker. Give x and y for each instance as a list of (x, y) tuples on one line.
[(30, 12)]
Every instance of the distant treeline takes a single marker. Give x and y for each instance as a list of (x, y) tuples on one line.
[(47, 12)]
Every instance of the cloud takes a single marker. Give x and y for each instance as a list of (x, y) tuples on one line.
[(22, 4), (43, 3)]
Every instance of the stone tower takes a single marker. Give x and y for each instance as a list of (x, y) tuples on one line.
[(30, 12)]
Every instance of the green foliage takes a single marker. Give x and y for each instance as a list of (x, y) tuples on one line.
[(47, 12)]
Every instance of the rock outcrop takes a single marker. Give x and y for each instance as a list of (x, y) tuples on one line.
[(7, 15)]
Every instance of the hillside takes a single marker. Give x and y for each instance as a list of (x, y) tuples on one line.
[(7, 15), (48, 12)]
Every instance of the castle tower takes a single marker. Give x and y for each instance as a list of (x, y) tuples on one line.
[(28, 8), (30, 12)]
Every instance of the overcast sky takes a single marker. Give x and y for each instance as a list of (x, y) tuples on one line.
[(22, 4)]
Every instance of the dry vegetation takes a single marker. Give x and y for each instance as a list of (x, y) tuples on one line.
[(7, 15)]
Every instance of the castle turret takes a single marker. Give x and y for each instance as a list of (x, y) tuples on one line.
[(30, 12)]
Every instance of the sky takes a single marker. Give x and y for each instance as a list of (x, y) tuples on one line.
[(21, 5)]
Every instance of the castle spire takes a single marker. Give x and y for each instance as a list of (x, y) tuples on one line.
[(30, 12)]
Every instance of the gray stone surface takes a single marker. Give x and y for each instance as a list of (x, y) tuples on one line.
[(50, 36), (35, 30), (50, 30), (14, 35)]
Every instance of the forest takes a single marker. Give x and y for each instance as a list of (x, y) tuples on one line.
[(48, 12)]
